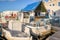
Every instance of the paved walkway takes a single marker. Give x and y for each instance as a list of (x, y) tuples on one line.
[(55, 36)]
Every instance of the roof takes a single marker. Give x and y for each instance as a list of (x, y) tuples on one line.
[(31, 6)]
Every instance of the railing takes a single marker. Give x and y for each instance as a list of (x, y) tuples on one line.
[(55, 21)]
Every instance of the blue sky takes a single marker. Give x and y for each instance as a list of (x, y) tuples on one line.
[(14, 4)]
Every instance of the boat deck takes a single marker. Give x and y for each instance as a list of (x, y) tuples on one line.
[(15, 33)]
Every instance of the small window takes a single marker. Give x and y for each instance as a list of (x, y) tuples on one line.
[(53, 4), (50, 4), (54, 14), (37, 14), (58, 3), (31, 18), (26, 14), (47, 15), (48, 10)]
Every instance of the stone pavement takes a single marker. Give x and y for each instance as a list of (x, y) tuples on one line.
[(56, 35)]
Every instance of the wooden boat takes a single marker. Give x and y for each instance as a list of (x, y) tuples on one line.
[(42, 29), (14, 31)]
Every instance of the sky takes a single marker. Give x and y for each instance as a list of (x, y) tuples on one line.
[(14, 4)]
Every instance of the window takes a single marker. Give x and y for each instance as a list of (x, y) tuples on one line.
[(31, 18), (58, 3), (53, 4), (37, 14), (41, 14), (47, 15), (54, 14), (26, 15), (48, 10), (50, 4)]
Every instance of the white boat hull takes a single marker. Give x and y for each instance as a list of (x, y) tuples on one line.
[(10, 37), (40, 30)]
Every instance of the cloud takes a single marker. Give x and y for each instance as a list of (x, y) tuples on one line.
[(36, 0), (11, 0), (2, 0), (7, 0)]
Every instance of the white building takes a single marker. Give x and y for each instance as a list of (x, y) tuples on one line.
[(53, 6), (9, 12), (34, 11), (9, 15)]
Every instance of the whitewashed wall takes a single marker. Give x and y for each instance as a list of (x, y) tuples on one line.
[(52, 8)]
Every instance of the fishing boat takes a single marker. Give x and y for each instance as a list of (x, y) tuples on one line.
[(42, 28)]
